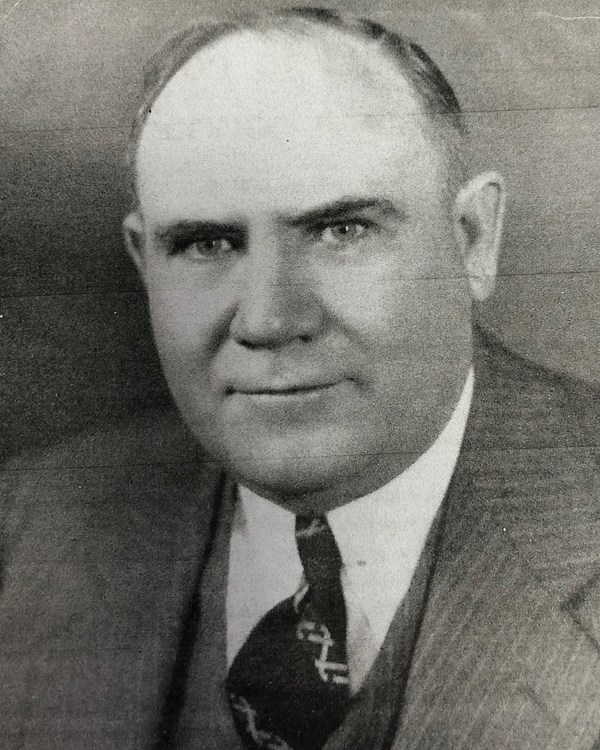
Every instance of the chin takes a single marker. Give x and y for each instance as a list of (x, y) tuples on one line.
[(277, 475), (314, 480)]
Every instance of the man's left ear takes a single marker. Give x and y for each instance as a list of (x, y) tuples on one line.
[(478, 215), (133, 232)]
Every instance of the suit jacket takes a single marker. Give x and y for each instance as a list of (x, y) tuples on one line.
[(105, 539)]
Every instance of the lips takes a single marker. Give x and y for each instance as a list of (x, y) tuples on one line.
[(295, 389)]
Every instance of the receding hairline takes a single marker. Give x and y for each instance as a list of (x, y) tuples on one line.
[(439, 108)]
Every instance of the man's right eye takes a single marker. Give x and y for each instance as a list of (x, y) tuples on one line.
[(206, 248)]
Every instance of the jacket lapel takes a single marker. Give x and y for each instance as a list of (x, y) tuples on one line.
[(508, 653)]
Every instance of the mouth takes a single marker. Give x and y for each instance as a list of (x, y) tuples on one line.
[(290, 393)]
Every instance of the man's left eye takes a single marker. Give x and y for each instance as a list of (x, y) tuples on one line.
[(343, 231)]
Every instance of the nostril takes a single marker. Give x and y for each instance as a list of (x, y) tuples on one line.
[(247, 344)]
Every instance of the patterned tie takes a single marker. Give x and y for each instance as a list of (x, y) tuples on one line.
[(288, 685)]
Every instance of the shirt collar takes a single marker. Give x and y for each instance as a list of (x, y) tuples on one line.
[(381, 535)]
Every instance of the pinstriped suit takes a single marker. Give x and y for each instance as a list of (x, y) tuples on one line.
[(105, 540)]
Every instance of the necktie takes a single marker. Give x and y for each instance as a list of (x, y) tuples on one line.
[(288, 685)]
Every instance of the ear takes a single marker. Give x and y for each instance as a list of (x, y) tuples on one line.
[(478, 216), (133, 231)]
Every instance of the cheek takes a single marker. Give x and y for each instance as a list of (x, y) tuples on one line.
[(183, 323), (391, 314)]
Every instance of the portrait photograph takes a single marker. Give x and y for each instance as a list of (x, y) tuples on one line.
[(300, 375)]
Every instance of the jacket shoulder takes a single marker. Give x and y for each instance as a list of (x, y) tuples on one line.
[(149, 468), (520, 404), (149, 438)]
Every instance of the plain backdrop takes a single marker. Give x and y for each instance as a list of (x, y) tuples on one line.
[(75, 343)]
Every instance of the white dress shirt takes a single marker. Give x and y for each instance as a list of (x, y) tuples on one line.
[(380, 537)]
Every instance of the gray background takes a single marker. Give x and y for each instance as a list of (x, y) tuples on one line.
[(75, 344)]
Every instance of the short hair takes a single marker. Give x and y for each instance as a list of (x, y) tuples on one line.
[(423, 75)]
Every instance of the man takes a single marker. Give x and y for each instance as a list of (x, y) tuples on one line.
[(389, 538)]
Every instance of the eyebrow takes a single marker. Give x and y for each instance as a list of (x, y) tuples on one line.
[(342, 208), (183, 229)]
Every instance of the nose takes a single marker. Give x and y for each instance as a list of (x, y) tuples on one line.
[(276, 300)]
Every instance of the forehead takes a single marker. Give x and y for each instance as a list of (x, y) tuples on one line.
[(264, 122)]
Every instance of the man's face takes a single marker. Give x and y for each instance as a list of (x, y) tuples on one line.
[(308, 303)]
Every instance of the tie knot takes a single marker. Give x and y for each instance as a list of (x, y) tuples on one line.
[(318, 550)]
